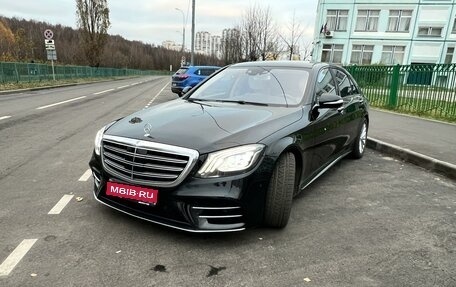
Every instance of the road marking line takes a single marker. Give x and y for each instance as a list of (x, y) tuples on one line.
[(5, 117), (59, 103), (13, 259), (61, 204), (105, 91), (121, 87), (153, 99), (86, 175)]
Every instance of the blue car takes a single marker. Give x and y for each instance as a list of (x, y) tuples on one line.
[(190, 76)]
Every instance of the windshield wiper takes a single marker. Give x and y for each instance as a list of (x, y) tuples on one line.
[(242, 102)]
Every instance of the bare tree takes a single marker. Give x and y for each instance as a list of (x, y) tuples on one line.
[(259, 36), (291, 40), (93, 22), (306, 50)]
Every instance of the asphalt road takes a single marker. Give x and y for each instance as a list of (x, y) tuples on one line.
[(371, 222)]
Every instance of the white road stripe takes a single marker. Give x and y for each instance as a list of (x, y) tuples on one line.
[(5, 117), (153, 99), (86, 175), (61, 204), (13, 259), (105, 91), (121, 87), (59, 103)]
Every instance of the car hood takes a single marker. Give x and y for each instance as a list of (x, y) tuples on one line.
[(205, 127)]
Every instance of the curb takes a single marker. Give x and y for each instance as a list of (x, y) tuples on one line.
[(7, 92), (424, 161)]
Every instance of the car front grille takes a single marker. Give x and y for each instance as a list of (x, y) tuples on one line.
[(146, 163)]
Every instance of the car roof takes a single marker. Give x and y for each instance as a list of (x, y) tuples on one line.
[(198, 67), (292, 64)]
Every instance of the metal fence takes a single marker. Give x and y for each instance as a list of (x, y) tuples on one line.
[(424, 89), (31, 72)]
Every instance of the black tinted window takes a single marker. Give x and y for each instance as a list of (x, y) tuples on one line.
[(325, 83), (207, 72), (345, 84)]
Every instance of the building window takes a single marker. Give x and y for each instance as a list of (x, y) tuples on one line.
[(454, 27), (449, 55), (393, 55), (336, 20), (332, 53), (399, 20), (362, 54), (367, 20), (430, 31)]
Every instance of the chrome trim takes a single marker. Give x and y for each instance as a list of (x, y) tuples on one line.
[(155, 166), (140, 155), (167, 225), (95, 176), (152, 146), (215, 208), (325, 169), (220, 216), (97, 181)]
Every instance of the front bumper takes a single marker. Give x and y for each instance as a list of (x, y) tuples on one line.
[(195, 205)]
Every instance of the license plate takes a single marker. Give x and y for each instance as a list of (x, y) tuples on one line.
[(137, 193), (174, 84)]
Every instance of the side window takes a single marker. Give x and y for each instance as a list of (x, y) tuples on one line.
[(343, 82), (207, 71), (325, 83)]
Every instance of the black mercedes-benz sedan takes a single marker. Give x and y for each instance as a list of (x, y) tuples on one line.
[(235, 150)]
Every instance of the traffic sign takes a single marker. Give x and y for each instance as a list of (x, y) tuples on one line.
[(51, 55), (48, 34), (48, 42), (50, 47)]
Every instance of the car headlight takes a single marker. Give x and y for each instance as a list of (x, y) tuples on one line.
[(230, 161), (99, 137)]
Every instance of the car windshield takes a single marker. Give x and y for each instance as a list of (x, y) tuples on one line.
[(255, 85)]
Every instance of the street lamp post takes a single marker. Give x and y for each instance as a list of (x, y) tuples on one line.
[(183, 29), (193, 33)]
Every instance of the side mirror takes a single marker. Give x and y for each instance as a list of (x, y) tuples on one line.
[(186, 89), (330, 101)]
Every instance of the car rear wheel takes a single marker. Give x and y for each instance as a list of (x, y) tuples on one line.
[(360, 142), (280, 192)]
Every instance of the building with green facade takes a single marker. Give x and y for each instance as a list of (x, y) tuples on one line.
[(388, 32)]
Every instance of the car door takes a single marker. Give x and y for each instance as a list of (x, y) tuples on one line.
[(351, 111), (327, 124)]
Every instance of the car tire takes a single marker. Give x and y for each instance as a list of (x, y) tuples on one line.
[(280, 192), (359, 146)]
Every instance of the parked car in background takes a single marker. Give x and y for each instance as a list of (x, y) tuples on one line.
[(235, 150), (190, 77)]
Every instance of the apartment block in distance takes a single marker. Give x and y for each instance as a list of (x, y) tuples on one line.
[(389, 32)]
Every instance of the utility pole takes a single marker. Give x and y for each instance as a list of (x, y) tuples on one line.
[(192, 58)]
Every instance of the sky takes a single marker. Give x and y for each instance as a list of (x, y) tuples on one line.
[(155, 21)]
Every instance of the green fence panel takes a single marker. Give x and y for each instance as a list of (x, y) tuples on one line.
[(31, 72), (422, 89)]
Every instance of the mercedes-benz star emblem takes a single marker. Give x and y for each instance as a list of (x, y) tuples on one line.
[(147, 129)]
